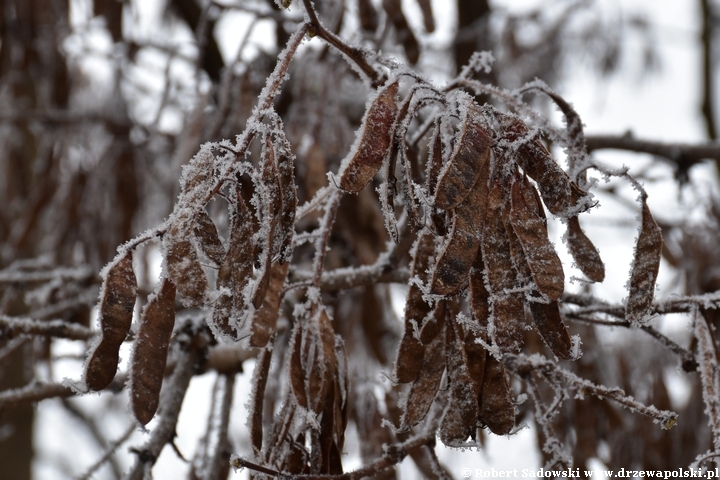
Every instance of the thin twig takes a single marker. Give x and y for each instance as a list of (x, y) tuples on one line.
[(708, 364), (112, 448), (13, 326)]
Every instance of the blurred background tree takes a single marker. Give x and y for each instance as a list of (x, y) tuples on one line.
[(105, 101)]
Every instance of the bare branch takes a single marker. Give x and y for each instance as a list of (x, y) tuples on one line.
[(13, 326)]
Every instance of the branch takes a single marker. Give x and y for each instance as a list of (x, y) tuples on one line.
[(14, 326), (523, 364), (394, 454), (708, 360), (684, 155), (34, 392)]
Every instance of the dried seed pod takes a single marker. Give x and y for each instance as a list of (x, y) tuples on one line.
[(561, 196), (497, 407), (411, 351), (528, 222), (461, 415), (262, 369), (151, 350), (551, 327), (208, 239), (425, 387), (460, 250), (264, 322), (295, 369), (116, 312), (479, 296), (235, 271), (183, 265), (584, 252), (368, 15), (508, 313), (433, 323), (471, 152), (373, 142), (434, 166), (646, 263)]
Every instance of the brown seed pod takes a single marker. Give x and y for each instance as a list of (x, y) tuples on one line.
[(368, 15), (471, 152), (527, 218), (460, 250), (425, 387), (497, 407), (183, 265), (646, 263), (508, 313), (151, 349), (116, 312), (208, 239), (561, 196), (264, 321), (295, 368), (461, 415), (584, 252), (433, 169), (235, 271), (262, 369), (551, 327), (433, 323), (411, 351), (374, 141)]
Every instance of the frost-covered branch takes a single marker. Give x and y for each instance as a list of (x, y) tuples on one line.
[(13, 326), (34, 392), (523, 364), (708, 363), (684, 155)]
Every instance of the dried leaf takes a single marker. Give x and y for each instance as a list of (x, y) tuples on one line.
[(584, 252), (264, 321), (497, 407), (528, 222), (183, 265), (411, 351), (423, 390), (646, 263), (151, 349), (208, 238), (471, 152), (116, 312), (373, 143), (463, 243)]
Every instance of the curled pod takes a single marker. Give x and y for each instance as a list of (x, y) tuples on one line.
[(646, 263), (374, 141), (411, 351), (461, 248), (471, 153), (151, 349), (559, 193), (527, 218), (116, 312)]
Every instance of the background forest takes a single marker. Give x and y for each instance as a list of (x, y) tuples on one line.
[(308, 238)]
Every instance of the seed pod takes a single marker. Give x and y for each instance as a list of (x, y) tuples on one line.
[(425, 387), (368, 15), (411, 351), (471, 152), (264, 322), (183, 265), (404, 33), (208, 239), (561, 196), (234, 272), (646, 263), (373, 142), (508, 314), (497, 408), (262, 369), (433, 323), (463, 242), (528, 222), (460, 420), (551, 327), (295, 369), (116, 312), (151, 349), (584, 252)]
